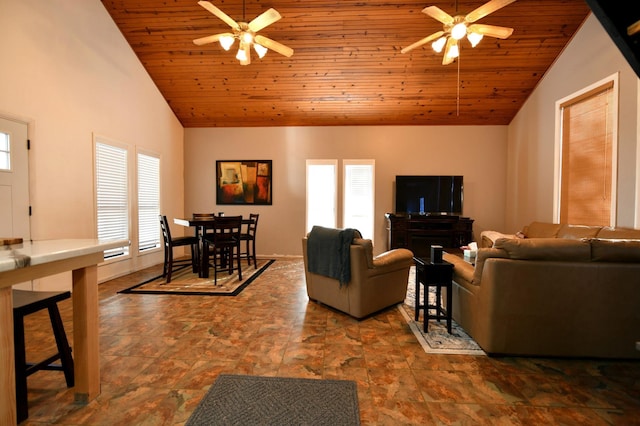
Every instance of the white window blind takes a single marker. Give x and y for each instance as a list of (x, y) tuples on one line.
[(148, 202), (112, 196), (321, 193), (359, 196), (5, 152)]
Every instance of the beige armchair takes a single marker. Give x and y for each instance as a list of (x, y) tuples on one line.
[(376, 282)]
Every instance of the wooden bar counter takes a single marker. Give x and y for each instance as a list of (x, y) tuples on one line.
[(32, 260)]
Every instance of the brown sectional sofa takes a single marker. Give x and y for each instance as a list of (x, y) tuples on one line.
[(556, 290)]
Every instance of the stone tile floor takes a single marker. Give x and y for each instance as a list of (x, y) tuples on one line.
[(159, 355)]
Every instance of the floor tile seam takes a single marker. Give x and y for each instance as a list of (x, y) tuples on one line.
[(345, 343), (556, 405)]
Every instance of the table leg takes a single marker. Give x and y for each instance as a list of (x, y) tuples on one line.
[(8, 414), (86, 337), (426, 309), (204, 264), (449, 299), (196, 262), (438, 302), (417, 295)]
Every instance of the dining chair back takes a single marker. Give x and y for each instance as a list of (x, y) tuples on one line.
[(171, 264), (249, 237), (225, 242)]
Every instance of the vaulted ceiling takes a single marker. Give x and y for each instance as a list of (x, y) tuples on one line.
[(347, 68)]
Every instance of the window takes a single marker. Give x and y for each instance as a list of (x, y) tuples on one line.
[(357, 195), (358, 204), (586, 156), (5, 152), (148, 202), (322, 196), (112, 195)]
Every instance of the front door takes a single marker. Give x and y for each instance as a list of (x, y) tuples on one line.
[(14, 180)]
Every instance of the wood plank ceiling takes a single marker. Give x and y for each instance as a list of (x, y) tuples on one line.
[(347, 68)]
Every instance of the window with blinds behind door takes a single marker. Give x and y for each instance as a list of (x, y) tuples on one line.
[(587, 167)]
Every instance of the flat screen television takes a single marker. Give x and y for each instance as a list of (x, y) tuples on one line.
[(430, 195)]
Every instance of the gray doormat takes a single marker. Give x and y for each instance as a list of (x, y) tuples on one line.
[(254, 400)]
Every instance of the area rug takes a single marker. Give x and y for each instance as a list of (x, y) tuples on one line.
[(254, 400), (437, 340), (185, 282)]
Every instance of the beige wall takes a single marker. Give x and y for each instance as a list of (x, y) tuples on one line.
[(478, 153), (72, 74), (68, 72), (589, 57)]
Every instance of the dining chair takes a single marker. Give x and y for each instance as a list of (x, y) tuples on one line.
[(249, 237), (170, 243), (225, 245)]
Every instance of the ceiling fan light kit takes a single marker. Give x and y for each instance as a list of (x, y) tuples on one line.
[(456, 28), (245, 33)]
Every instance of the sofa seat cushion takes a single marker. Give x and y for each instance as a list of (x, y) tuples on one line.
[(612, 250), (546, 249)]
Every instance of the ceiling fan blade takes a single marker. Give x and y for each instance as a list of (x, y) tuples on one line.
[(210, 39), (486, 9), (491, 30), (274, 45), (264, 19), (220, 14), (423, 41), (438, 14), (446, 59)]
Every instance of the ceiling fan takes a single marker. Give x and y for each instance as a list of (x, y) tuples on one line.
[(245, 33), (458, 26)]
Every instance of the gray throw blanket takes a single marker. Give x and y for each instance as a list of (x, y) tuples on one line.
[(328, 252)]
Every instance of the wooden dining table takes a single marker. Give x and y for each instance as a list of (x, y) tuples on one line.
[(201, 224)]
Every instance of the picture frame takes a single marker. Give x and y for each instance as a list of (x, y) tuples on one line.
[(244, 182)]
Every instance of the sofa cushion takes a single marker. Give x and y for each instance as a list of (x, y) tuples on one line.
[(546, 249), (577, 232), (541, 230), (619, 233), (610, 250)]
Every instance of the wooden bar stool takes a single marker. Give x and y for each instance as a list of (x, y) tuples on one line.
[(29, 302)]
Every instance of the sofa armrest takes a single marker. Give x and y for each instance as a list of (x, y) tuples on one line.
[(488, 238), (393, 259), (481, 258)]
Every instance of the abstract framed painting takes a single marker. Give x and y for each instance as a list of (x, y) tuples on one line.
[(244, 182)]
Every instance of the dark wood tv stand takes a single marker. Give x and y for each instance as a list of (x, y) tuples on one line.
[(419, 232)]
